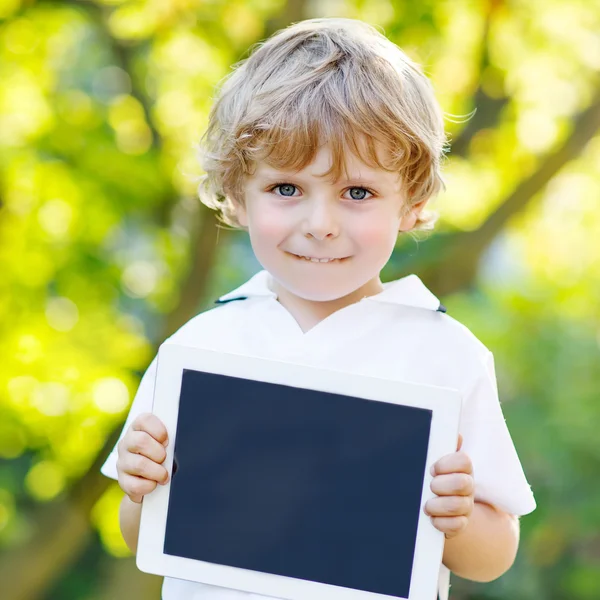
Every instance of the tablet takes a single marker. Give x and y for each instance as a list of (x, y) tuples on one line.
[(295, 482)]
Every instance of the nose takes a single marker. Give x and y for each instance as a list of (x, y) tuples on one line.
[(321, 222)]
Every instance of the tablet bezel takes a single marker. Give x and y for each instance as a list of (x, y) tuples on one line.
[(445, 404)]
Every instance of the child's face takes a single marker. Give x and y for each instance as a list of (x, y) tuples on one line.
[(354, 223)]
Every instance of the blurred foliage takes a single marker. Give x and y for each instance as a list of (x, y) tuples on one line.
[(101, 104)]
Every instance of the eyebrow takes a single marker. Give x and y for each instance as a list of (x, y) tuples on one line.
[(365, 180), (352, 179)]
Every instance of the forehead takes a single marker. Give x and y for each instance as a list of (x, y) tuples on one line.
[(322, 166)]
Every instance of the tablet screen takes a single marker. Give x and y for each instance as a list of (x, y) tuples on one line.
[(301, 483)]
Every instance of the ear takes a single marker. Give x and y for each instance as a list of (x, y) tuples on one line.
[(409, 219)]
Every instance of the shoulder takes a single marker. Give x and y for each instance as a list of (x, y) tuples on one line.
[(440, 332), (442, 349), (452, 332), (216, 325), (418, 317), (457, 338)]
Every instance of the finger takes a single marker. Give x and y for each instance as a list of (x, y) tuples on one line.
[(141, 442), (136, 487), (451, 526), (140, 466), (460, 442), (454, 484), (152, 425), (449, 506), (457, 462)]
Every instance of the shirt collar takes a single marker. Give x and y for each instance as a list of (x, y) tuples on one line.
[(258, 285), (407, 291)]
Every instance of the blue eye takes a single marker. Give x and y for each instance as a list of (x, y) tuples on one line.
[(286, 189), (361, 195)]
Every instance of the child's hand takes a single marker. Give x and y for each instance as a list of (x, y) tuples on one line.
[(453, 483), (141, 454)]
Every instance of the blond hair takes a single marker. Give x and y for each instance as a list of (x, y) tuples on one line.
[(337, 81)]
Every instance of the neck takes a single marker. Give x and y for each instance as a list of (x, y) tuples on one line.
[(309, 313)]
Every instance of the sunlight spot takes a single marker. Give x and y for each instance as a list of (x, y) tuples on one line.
[(140, 278), (134, 21), (55, 217), (536, 131), (62, 314), (51, 399), (20, 389), (45, 480), (29, 349), (173, 109), (111, 395)]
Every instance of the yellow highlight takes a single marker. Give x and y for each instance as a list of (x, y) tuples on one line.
[(55, 218), (111, 395), (25, 114), (536, 131), (243, 24), (21, 36), (20, 390), (126, 116), (140, 278), (134, 22), (51, 399), (125, 108), (29, 349), (134, 137), (188, 53), (466, 202), (8, 8), (105, 517), (174, 108), (45, 480), (39, 271), (379, 12), (62, 314)]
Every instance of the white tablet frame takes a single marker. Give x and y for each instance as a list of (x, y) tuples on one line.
[(445, 404)]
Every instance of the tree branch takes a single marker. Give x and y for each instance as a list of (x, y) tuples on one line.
[(203, 253), (488, 109)]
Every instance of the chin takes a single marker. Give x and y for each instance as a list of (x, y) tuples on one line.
[(317, 293)]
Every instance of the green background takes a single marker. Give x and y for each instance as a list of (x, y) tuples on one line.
[(105, 250)]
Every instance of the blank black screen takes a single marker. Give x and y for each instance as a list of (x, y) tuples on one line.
[(295, 482)]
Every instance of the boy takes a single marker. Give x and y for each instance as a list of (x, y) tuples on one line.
[(324, 145)]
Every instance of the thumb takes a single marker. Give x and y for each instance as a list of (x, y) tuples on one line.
[(460, 441)]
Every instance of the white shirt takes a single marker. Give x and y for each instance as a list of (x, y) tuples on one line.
[(399, 334)]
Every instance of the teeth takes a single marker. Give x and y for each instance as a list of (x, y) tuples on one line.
[(322, 260)]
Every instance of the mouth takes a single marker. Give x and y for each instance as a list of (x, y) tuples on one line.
[(316, 259)]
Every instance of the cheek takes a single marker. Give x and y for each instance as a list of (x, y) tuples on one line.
[(378, 231), (266, 223)]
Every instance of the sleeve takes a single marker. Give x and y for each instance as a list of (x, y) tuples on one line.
[(497, 470), (142, 403)]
